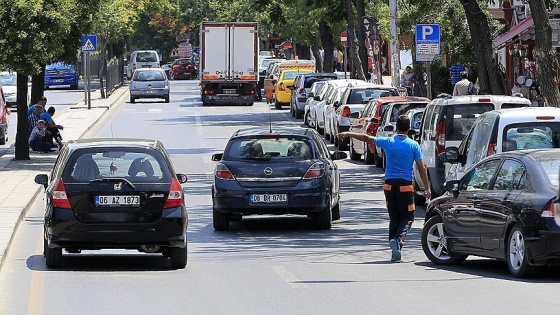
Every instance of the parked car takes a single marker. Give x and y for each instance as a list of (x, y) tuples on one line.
[(415, 116), (505, 130), (302, 84), (388, 122), (114, 193), (283, 92), (149, 83), (352, 103), (167, 69), (447, 120), (501, 208), (183, 68), (8, 80), (3, 117), (317, 99), (368, 123), (142, 59), (60, 74), (313, 90), (286, 171)]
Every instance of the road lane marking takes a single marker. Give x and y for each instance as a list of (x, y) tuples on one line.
[(289, 277), (199, 128), (36, 302)]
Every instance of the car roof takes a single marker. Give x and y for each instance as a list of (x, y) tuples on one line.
[(469, 99), (114, 142), (396, 99), (527, 112), (534, 154), (319, 74), (283, 131)]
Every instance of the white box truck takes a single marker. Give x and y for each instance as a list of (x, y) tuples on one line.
[(228, 62)]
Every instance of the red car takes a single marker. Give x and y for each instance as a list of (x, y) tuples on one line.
[(183, 68), (373, 111)]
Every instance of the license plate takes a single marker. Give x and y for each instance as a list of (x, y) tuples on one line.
[(229, 91), (269, 198), (58, 81), (117, 201), (148, 91)]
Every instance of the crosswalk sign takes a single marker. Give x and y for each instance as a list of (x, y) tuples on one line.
[(89, 43)]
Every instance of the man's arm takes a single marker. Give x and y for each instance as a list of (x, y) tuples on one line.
[(358, 136), (424, 177)]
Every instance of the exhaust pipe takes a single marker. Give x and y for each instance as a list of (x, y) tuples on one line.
[(149, 248)]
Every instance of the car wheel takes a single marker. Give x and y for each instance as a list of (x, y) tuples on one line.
[(517, 255), (74, 87), (4, 139), (377, 159), (324, 218), (292, 112), (434, 243), (369, 157), (336, 141), (220, 221), (299, 115), (353, 155), (167, 99), (344, 145), (336, 211), (132, 100), (307, 120), (277, 105), (178, 257), (53, 256), (419, 200), (319, 129)]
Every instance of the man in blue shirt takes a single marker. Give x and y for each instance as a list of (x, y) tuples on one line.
[(401, 153)]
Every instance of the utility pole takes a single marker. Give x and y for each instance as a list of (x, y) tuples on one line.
[(395, 52)]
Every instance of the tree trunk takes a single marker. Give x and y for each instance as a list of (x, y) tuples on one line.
[(328, 45), (490, 79), (37, 85), (361, 13), (545, 54), (315, 50), (22, 133), (351, 36)]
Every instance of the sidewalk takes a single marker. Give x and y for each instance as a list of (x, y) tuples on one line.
[(17, 178)]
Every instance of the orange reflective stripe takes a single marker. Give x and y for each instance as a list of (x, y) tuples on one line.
[(407, 188), (411, 207), (247, 77), (386, 187), (210, 77)]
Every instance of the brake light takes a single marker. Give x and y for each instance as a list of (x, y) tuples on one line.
[(491, 149), (222, 172), (484, 100), (545, 117), (440, 138), (59, 196), (550, 210), (345, 112), (301, 92), (209, 92), (281, 87), (175, 197), (315, 171)]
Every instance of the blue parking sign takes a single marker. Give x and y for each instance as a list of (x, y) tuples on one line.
[(89, 43), (427, 42)]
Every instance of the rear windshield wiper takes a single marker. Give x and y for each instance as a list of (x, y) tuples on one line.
[(113, 179)]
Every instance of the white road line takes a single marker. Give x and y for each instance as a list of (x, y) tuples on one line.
[(289, 277), (199, 128)]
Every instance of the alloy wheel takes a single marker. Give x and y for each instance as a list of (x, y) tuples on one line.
[(516, 250)]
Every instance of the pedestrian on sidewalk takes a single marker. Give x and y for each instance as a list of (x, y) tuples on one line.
[(38, 140), (401, 153), (35, 116), (52, 128), (464, 87), (42, 101)]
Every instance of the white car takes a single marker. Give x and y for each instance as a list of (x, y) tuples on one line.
[(309, 122), (8, 80), (318, 100)]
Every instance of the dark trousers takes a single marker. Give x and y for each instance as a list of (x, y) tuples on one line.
[(399, 198), (40, 144), (54, 135)]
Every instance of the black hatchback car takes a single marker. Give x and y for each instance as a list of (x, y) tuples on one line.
[(504, 208), (284, 171), (114, 193)]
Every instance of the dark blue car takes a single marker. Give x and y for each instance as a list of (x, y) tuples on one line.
[(60, 74)]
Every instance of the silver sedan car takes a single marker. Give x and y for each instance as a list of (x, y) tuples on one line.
[(149, 83)]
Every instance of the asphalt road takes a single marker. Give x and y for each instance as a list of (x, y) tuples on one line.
[(263, 265)]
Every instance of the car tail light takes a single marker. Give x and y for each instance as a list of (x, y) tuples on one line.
[(209, 92), (301, 92), (175, 197), (281, 87), (222, 172), (550, 210), (345, 112), (440, 137), (545, 118), (491, 149), (484, 100), (59, 196), (315, 171)]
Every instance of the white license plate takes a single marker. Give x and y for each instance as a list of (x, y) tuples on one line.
[(148, 91), (229, 91), (269, 198), (117, 201), (58, 80)]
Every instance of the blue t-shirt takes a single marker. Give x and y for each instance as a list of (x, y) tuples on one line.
[(32, 109), (400, 154), (456, 70), (46, 117)]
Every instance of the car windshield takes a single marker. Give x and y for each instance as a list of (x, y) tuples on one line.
[(282, 148), (401, 108), (8, 79), (536, 135), (135, 165), (148, 76)]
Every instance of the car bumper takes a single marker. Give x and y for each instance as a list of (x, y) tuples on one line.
[(60, 81), (184, 75), (544, 250), (229, 99), (149, 93), (283, 97), (300, 103), (63, 230)]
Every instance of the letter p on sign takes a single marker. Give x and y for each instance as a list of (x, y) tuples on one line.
[(427, 30)]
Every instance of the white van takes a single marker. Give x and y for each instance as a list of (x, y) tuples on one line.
[(142, 59), (447, 120)]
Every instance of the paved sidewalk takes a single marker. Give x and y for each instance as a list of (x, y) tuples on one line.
[(17, 178)]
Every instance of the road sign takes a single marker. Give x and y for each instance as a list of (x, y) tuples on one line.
[(428, 43), (89, 43), (344, 38)]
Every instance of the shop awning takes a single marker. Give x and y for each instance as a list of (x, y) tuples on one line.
[(514, 31)]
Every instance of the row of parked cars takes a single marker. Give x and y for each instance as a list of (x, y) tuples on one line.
[(492, 160)]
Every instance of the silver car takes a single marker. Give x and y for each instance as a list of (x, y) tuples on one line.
[(149, 83)]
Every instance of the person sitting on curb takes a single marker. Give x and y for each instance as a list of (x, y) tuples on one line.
[(42, 101), (52, 128), (35, 116), (38, 140)]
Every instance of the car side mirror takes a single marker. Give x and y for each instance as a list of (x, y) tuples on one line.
[(42, 179), (374, 121), (182, 178), (338, 155), (452, 186), (389, 128), (450, 155), (217, 157)]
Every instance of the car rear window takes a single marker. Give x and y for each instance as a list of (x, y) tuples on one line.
[(147, 56), (290, 75), (310, 80), (460, 119), (416, 120), (551, 167), (401, 108), (377, 93), (535, 135), (183, 62), (275, 149), (512, 105), (148, 76), (136, 165)]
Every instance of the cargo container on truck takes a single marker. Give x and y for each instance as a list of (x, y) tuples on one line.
[(228, 62)]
